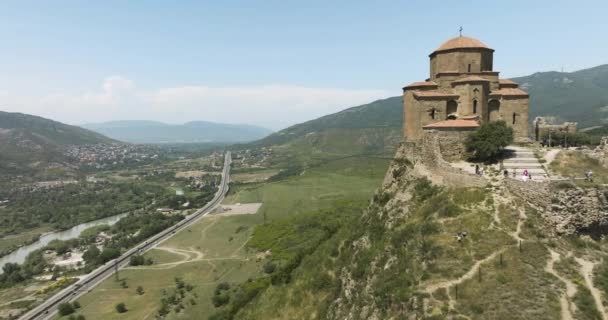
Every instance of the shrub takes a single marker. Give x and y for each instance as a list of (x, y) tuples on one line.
[(137, 260), (76, 305), (139, 290), (219, 300), (269, 267), (121, 308), (65, 309), (486, 144)]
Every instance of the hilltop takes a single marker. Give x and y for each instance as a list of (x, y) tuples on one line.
[(29, 144), (142, 131), (371, 129), (580, 96)]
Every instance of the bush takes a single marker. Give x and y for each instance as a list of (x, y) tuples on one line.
[(220, 299), (137, 260), (486, 144), (269, 267), (139, 290), (121, 308), (76, 305), (65, 309)]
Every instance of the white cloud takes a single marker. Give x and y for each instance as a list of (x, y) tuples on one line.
[(274, 106)]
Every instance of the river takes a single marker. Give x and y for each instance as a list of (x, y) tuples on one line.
[(19, 255)]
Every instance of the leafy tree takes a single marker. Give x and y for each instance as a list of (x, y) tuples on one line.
[(65, 309), (121, 308), (139, 290), (91, 255), (108, 254), (137, 260), (487, 143)]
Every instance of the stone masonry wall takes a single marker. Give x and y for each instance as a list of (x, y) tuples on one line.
[(426, 156), (568, 209)]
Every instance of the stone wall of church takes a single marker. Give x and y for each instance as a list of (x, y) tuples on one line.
[(470, 92), (519, 107), (418, 114)]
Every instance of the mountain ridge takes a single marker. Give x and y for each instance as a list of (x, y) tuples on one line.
[(146, 131)]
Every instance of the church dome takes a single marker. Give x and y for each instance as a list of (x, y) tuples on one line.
[(460, 43)]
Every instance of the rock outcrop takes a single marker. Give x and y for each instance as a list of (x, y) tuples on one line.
[(578, 210)]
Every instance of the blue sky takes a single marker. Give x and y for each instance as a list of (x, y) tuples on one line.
[(270, 63)]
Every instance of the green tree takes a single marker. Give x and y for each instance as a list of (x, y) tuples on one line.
[(91, 255), (487, 143), (139, 290), (65, 309), (121, 308)]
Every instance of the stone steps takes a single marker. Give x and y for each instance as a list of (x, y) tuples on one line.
[(522, 165), (520, 159)]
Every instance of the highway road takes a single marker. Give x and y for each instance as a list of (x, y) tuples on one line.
[(49, 307)]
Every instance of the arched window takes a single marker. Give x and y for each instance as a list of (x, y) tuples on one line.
[(452, 110), (475, 106), (514, 114), (433, 113), (494, 110)]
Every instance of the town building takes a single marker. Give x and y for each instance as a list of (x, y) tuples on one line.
[(463, 92)]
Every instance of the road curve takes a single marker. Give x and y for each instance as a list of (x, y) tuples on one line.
[(49, 307)]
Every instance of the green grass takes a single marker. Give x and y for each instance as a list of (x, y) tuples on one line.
[(585, 305), (517, 289), (317, 188)]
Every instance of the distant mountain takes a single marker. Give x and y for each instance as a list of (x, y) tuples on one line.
[(580, 96), (142, 131), (30, 143)]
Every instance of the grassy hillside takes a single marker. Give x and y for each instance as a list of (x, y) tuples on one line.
[(30, 143), (196, 131), (580, 96), (381, 115), (400, 259)]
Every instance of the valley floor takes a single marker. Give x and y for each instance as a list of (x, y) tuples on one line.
[(214, 250)]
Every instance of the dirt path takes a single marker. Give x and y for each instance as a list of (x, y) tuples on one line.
[(516, 235), (551, 155), (470, 274), (188, 256), (564, 299), (587, 272), (522, 218)]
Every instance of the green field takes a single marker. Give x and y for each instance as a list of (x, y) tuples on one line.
[(213, 250), (216, 254), (316, 188)]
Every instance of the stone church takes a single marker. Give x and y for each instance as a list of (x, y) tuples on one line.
[(463, 91)]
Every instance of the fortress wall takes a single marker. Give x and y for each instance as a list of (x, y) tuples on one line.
[(427, 157), (537, 194)]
